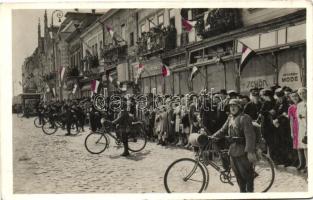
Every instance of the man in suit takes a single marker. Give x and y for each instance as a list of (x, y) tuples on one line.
[(242, 137)]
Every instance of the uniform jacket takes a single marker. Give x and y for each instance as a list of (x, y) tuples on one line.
[(239, 126)]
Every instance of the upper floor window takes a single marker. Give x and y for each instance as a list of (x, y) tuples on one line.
[(131, 39), (123, 29), (142, 28), (160, 20), (151, 23)]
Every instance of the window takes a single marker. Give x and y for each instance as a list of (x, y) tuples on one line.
[(131, 39), (123, 28), (100, 48), (172, 13), (96, 49), (160, 19), (142, 28), (151, 23), (172, 21)]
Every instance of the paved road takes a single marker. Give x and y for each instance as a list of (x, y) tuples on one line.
[(59, 164)]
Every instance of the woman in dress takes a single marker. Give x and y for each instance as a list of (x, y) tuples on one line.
[(302, 119), (294, 125)]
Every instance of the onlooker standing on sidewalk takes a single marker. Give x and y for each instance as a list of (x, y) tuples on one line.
[(302, 117), (294, 124)]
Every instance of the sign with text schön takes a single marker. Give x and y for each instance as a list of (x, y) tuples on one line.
[(289, 75)]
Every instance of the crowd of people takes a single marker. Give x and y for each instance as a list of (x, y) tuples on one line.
[(281, 112)]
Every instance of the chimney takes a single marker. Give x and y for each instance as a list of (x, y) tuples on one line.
[(93, 11)]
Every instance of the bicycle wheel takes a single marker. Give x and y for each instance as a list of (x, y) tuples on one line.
[(36, 122), (137, 141), (96, 143), (185, 175), (48, 128), (264, 174)]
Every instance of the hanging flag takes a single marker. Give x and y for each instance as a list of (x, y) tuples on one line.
[(47, 88), (207, 26), (194, 71), (246, 54), (94, 85), (62, 73), (139, 71), (110, 30), (188, 25), (110, 78), (53, 92), (75, 88), (165, 71)]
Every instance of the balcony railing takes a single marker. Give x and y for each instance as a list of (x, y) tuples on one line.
[(112, 53), (49, 76), (156, 40), (218, 21)]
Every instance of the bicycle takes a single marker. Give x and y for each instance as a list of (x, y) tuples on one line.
[(192, 175), (98, 141), (50, 126)]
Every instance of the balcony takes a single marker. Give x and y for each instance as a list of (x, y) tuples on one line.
[(111, 54), (50, 76), (157, 40), (72, 72), (218, 21)]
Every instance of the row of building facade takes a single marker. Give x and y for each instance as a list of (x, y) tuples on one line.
[(154, 37)]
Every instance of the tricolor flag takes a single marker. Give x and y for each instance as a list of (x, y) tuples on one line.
[(53, 92), (111, 79), (75, 88), (165, 71), (139, 71), (94, 86), (246, 54), (207, 26), (47, 88), (110, 30), (194, 71), (62, 73), (188, 25)]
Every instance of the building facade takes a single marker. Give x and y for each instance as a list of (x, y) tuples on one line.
[(110, 47)]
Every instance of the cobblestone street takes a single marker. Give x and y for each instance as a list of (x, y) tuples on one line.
[(58, 164)]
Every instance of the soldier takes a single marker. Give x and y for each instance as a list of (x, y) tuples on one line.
[(123, 122), (242, 138)]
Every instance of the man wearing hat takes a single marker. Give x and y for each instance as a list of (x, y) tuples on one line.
[(253, 107), (242, 138), (282, 128)]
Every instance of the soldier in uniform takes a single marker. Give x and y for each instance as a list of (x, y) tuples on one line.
[(242, 140), (123, 121)]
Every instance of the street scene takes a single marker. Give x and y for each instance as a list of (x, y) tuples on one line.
[(57, 164), (174, 100)]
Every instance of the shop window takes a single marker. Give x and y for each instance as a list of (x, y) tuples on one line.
[(172, 13), (268, 39), (296, 33)]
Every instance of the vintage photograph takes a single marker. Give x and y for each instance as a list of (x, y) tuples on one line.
[(162, 100)]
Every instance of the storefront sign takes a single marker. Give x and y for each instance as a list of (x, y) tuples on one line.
[(289, 75), (246, 83)]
